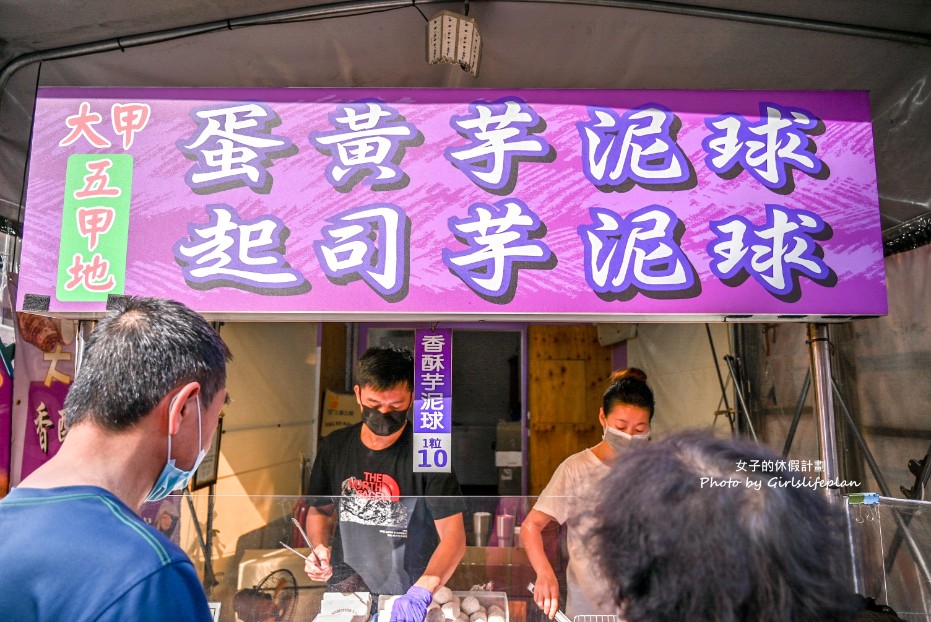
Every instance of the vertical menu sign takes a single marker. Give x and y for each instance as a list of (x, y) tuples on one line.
[(433, 400), (95, 227)]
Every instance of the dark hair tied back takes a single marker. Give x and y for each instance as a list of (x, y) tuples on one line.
[(629, 388), (630, 372)]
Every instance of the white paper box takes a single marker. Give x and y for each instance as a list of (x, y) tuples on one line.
[(485, 598)]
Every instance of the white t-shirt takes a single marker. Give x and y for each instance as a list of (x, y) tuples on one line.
[(569, 498)]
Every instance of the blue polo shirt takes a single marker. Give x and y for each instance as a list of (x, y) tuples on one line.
[(78, 553)]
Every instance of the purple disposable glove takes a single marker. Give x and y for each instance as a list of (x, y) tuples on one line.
[(412, 607)]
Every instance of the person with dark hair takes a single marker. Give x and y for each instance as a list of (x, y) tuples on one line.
[(705, 537), (141, 413), (868, 610), (625, 416), (397, 531)]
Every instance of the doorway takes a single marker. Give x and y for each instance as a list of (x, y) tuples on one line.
[(488, 397)]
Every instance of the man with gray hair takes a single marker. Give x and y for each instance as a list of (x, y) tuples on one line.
[(692, 528), (141, 413)]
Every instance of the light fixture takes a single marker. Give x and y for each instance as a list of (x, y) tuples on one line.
[(454, 38)]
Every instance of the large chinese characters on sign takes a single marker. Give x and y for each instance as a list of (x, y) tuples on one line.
[(691, 205)]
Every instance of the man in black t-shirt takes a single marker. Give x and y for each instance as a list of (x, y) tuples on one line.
[(398, 532)]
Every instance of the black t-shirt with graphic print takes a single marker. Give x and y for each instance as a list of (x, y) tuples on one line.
[(385, 533)]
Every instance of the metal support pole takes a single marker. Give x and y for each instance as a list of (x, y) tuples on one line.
[(820, 361), (798, 414), (916, 493), (84, 331), (717, 368), (210, 580), (861, 442), (740, 396)]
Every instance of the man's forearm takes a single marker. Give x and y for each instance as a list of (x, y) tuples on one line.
[(447, 555), (319, 527), (441, 567)]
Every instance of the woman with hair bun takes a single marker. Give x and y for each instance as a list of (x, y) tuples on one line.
[(625, 415)]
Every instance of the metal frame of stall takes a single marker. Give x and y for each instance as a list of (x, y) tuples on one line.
[(819, 362)]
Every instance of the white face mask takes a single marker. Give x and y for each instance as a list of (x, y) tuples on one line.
[(620, 441)]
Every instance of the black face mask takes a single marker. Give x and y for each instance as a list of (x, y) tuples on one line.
[(383, 424)]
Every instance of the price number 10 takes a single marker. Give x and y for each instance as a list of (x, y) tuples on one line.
[(436, 458)]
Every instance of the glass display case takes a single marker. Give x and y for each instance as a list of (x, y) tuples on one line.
[(891, 550), (250, 552)]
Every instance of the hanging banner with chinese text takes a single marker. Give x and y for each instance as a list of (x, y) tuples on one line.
[(44, 364), (462, 204), (433, 400)]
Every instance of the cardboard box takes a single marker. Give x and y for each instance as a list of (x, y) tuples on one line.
[(509, 457), (340, 410), (509, 481), (509, 437), (485, 598), (507, 569)]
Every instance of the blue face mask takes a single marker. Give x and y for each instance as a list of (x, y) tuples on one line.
[(173, 478)]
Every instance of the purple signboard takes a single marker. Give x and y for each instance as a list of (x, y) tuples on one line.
[(433, 400), (463, 204)]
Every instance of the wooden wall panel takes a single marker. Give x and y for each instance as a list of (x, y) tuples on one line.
[(568, 372), (557, 392), (579, 342), (333, 337), (333, 357)]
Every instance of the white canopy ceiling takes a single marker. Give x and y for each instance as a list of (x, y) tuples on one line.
[(881, 47)]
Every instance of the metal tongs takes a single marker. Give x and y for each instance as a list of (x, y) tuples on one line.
[(560, 616), (307, 540)]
